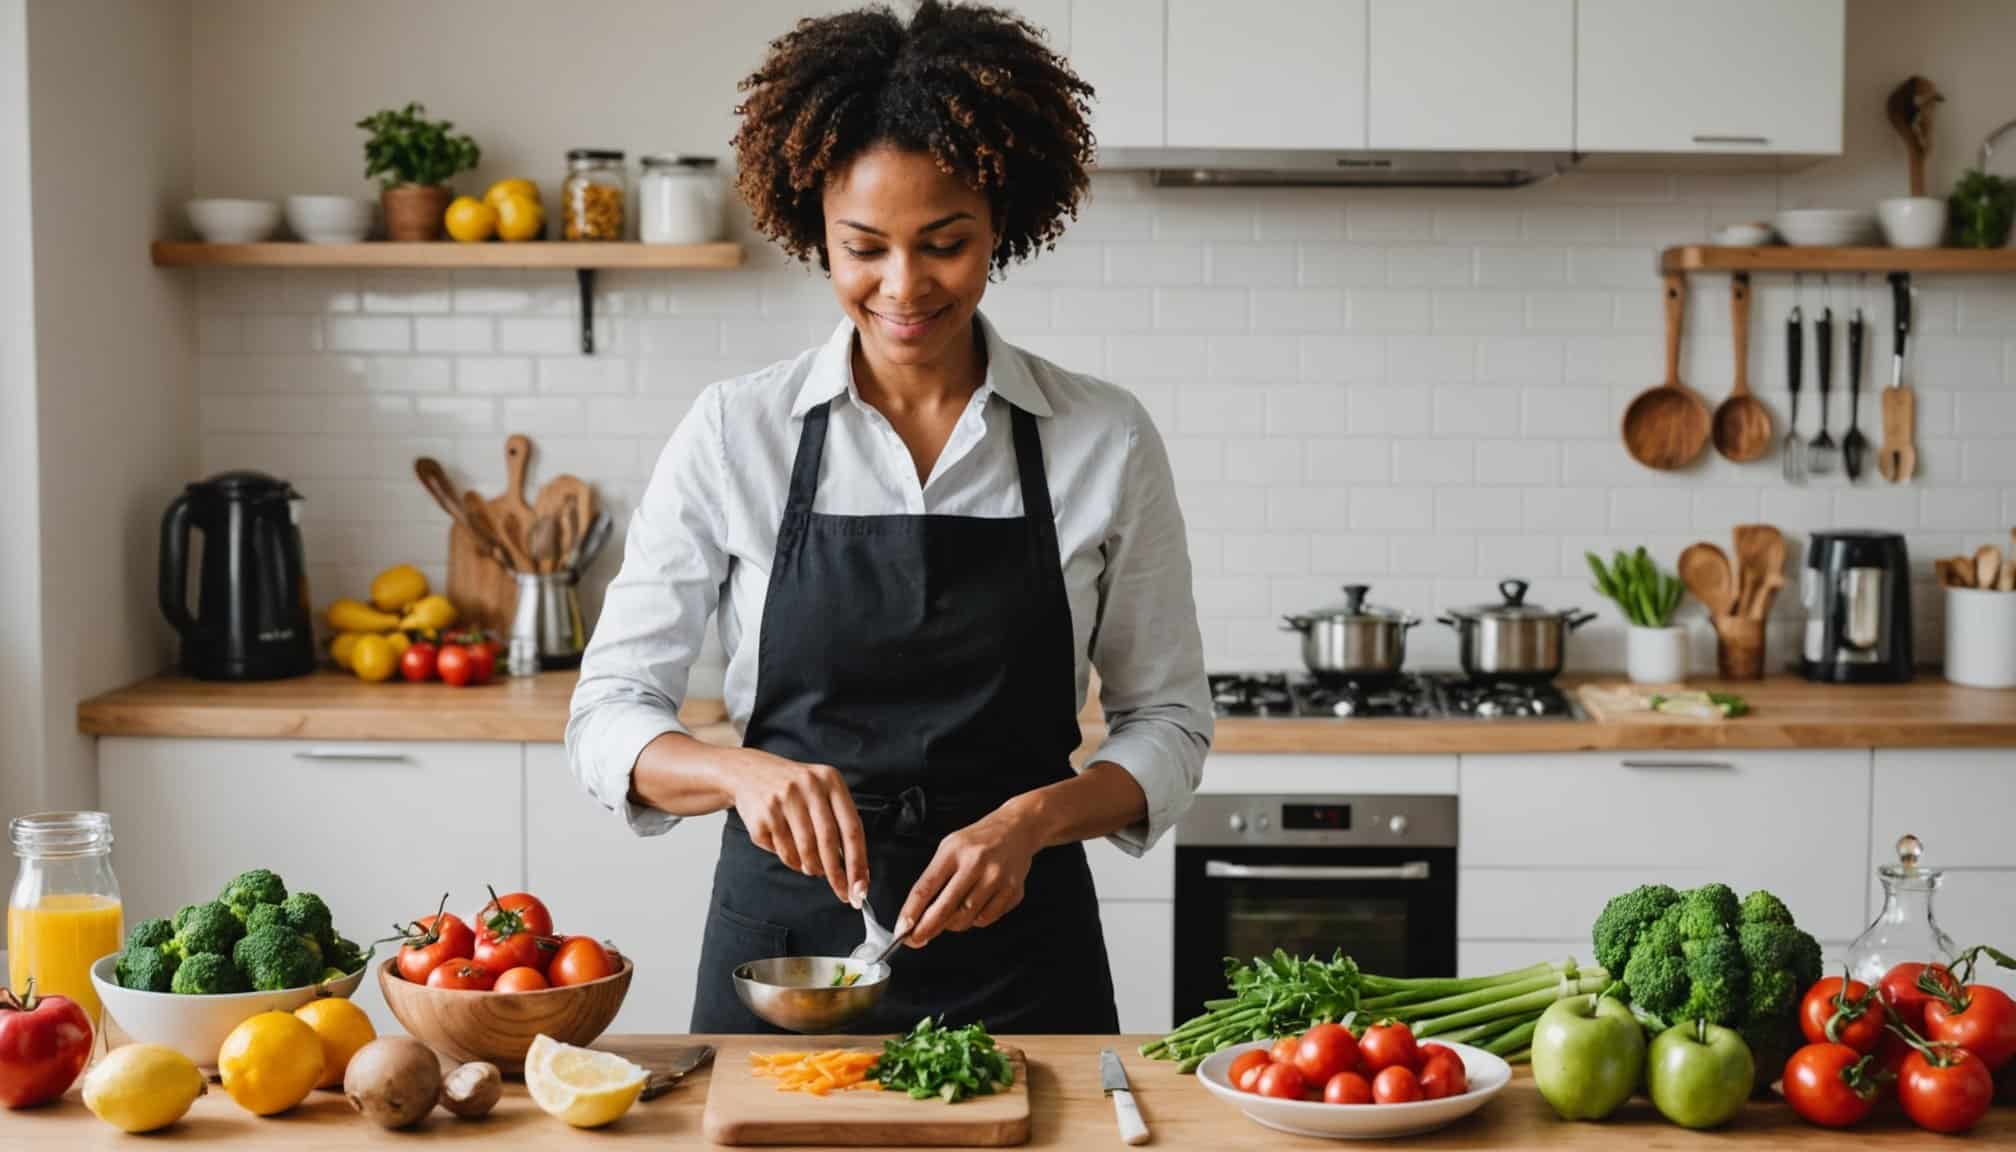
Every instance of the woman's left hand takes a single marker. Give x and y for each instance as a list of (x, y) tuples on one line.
[(975, 878)]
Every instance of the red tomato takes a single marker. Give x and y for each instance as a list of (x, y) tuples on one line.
[(432, 941), (1387, 1045), (45, 1041), (520, 980), (1326, 1050), (1281, 1081), (1396, 1084), (1442, 1075), (1249, 1079), (1283, 1051), (454, 665), (1829, 1016), (482, 663), (1830, 1085), (1347, 1088), (514, 912), (518, 950), (1247, 1062), (1429, 1048), (1951, 1096), (1982, 1020), (579, 960), (416, 664), (462, 975), (1900, 987)]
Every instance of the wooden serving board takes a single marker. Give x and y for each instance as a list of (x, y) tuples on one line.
[(1631, 704), (744, 1108)]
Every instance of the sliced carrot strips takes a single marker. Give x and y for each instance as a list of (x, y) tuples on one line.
[(820, 1073)]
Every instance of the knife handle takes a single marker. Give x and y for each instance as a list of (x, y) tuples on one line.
[(1795, 348), (1132, 1129)]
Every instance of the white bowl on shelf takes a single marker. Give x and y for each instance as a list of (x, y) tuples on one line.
[(1913, 221), (233, 221), (331, 219), (1488, 1076), (1751, 235), (197, 1025), (1826, 227)]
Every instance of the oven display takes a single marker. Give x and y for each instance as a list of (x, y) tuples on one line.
[(1316, 817)]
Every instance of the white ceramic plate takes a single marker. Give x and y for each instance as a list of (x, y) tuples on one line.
[(1488, 1076)]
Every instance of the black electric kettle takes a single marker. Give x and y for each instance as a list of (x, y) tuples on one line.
[(252, 618)]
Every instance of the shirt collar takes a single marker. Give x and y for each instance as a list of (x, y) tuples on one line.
[(1008, 376)]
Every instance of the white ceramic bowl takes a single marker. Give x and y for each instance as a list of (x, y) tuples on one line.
[(234, 221), (1826, 227), (1750, 235), (330, 219), (1913, 221), (197, 1025), (1488, 1076)]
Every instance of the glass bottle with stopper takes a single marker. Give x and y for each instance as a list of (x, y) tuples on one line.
[(1905, 930)]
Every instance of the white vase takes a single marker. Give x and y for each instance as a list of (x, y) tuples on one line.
[(1655, 655)]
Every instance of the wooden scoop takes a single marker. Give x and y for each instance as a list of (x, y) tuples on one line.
[(1705, 570), (1667, 426), (1742, 423), (1987, 566), (1760, 558), (1909, 107)]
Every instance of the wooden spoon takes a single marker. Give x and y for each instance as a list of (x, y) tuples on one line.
[(1955, 571), (487, 529), (1705, 570), (1742, 423), (1909, 107), (1987, 566), (544, 538), (1666, 426), (1760, 555)]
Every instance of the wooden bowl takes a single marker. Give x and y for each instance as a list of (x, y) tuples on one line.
[(499, 1026)]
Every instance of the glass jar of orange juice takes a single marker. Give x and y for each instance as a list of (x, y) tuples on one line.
[(64, 913)]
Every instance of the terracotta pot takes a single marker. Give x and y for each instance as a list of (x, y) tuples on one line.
[(414, 212)]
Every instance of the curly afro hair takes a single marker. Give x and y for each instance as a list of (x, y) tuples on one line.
[(974, 86)]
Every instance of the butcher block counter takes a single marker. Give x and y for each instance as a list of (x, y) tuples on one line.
[(1067, 1110), (1786, 712)]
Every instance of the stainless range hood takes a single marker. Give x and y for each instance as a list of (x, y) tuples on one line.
[(1259, 168)]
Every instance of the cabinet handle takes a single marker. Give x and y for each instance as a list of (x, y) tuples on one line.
[(354, 756), (1681, 765), (1221, 870), (1712, 138)]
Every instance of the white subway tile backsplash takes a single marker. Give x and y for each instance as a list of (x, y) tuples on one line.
[(1516, 462), (1531, 557), (1263, 463), (458, 334), (578, 375), (1301, 309), (493, 375), (1343, 463), (1438, 357), (1341, 265), (1396, 411), (281, 334), (1476, 511), (1477, 221), (1155, 264), (1388, 217), (1430, 266), (1568, 311), (219, 334), (1434, 463), (1522, 267), (1470, 412), (406, 292), (554, 416), (1158, 355), (1251, 265), (1571, 224), (1358, 556), (1716, 509), (1356, 359), (1958, 509), (1253, 356), (490, 291), (1221, 412), (1392, 511), (1520, 359), (367, 333), (1479, 311), (1203, 309), (408, 374), (1641, 511), (1307, 509), (1400, 308), (1433, 556), (1247, 555)]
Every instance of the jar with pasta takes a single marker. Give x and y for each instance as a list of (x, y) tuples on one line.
[(591, 198)]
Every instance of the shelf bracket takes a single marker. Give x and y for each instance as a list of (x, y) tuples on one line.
[(586, 278)]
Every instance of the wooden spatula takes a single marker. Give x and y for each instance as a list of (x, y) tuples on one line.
[(1760, 555)]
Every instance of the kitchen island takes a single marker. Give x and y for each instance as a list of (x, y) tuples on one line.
[(1067, 1108)]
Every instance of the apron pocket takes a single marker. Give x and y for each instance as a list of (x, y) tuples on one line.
[(744, 938)]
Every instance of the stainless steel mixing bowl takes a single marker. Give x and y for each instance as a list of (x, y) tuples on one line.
[(797, 993)]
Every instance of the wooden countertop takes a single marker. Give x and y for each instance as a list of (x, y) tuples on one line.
[(1785, 713), (1067, 1108)]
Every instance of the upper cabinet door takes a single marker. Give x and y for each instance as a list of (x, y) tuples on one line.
[(1266, 73), (1472, 74), (1116, 46), (1759, 76)]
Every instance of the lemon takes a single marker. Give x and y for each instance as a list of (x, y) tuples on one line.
[(343, 647), (372, 658), (343, 1028), (516, 186), (141, 1087), (270, 1062), (582, 1087), (520, 218), (470, 220), (399, 587)]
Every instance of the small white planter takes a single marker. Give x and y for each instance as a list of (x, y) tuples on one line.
[(1981, 638), (1655, 655)]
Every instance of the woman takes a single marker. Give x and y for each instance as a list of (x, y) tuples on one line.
[(918, 537)]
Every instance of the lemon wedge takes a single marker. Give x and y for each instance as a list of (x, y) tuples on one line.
[(581, 1086)]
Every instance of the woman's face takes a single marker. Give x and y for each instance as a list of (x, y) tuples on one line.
[(909, 247)]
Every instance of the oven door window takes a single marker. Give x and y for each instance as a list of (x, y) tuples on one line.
[(1307, 921)]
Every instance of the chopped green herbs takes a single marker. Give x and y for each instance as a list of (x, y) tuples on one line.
[(949, 1063)]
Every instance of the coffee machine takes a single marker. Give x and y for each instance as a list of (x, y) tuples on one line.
[(1856, 587)]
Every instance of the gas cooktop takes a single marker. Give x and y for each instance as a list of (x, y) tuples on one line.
[(1411, 695)]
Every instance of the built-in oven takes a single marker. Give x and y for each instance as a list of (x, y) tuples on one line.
[(1371, 876)]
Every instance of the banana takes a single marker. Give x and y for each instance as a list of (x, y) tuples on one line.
[(340, 648), (348, 615), (429, 614), (397, 588)]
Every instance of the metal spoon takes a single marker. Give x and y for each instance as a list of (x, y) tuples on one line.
[(1854, 445), (1793, 457), (879, 943), (1821, 453)]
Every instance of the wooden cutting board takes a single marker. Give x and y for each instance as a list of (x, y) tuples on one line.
[(1631, 704), (744, 1108), (484, 592)]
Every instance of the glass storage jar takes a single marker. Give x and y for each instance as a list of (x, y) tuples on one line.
[(678, 200), (591, 198), (1905, 930), (64, 913)]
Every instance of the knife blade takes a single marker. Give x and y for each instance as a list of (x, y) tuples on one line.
[(682, 1062), (1113, 1080)]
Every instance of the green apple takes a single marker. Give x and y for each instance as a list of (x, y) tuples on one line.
[(1588, 1052), (1699, 1073)]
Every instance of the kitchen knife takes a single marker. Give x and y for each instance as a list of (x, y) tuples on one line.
[(1113, 1078), (683, 1061)]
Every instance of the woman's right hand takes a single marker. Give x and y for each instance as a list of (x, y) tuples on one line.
[(804, 815)]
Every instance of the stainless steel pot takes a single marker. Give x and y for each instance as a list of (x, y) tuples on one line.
[(1513, 640), (1354, 638)]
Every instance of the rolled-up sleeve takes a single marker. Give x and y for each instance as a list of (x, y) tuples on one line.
[(654, 618), (1147, 648)]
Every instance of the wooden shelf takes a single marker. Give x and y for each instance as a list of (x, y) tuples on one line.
[(447, 254), (1784, 258)]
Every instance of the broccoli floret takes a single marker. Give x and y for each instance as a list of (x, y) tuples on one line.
[(206, 974), (1708, 912), (264, 916), (1771, 1043), (146, 968), (150, 934), (343, 955), (251, 889), (1761, 907), (1625, 918), (275, 958), (182, 915), (1656, 973), (208, 928), (1716, 981), (307, 914)]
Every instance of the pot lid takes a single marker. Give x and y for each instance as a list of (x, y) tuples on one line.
[(1512, 607), (1354, 607)]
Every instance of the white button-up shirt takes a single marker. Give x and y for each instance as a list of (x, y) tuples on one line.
[(703, 537)]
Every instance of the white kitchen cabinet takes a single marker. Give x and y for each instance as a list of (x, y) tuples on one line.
[(1141, 946), (380, 829), (1266, 74), (648, 894), (1718, 76), (1472, 74), (1116, 46)]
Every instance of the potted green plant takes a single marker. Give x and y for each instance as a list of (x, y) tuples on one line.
[(414, 158), (1655, 650), (1982, 207)]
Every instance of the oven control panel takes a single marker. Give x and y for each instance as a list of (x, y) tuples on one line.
[(1215, 819)]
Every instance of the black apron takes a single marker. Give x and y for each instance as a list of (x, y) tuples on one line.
[(929, 659)]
